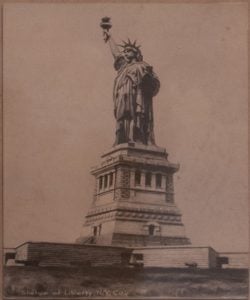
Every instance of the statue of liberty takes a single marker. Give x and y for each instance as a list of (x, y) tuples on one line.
[(134, 87)]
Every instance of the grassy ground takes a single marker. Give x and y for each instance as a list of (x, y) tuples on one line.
[(107, 282)]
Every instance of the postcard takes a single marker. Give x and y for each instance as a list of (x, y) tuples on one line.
[(125, 150)]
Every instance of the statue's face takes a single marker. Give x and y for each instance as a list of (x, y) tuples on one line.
[(129, 54)]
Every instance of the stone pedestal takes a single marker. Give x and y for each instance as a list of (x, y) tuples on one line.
[(133, 201)]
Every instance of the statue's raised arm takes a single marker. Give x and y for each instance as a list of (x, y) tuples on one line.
[(113, 47), (134, 88), (117, 54)]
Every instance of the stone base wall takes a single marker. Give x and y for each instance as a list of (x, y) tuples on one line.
[(235, 260), (178, 257), (55, 254)]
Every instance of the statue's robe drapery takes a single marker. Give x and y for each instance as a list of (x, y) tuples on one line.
[(134, 88)]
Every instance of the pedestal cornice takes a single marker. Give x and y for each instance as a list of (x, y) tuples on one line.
[(136, 155)]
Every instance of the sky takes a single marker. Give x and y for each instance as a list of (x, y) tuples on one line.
[(58, 113)]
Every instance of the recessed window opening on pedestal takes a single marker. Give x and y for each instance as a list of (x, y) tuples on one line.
[(137, 177), (99, 229), (105, 181), (110, 179), (151, 229), (158, 180), (148, 179), (100, 183)]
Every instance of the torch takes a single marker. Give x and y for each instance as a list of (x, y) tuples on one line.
[(105, 25)]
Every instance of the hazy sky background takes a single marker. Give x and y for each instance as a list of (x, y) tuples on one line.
[(58, 113)]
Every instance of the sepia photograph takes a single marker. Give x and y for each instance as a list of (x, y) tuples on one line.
[(125, 150)]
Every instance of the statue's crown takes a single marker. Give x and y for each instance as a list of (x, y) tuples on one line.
[(129, 44)]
